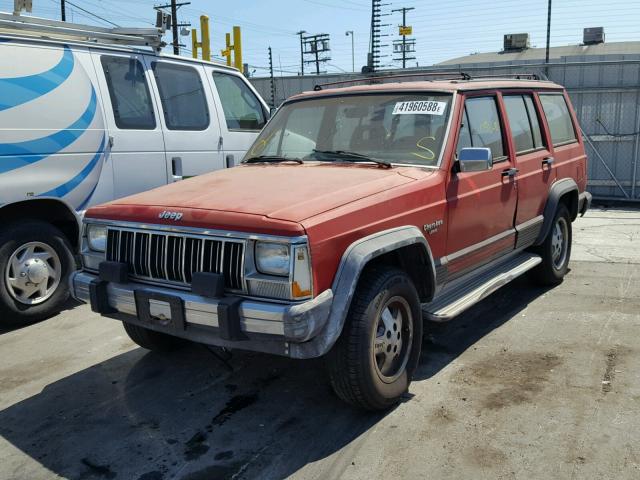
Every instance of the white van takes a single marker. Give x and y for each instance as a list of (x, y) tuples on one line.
[(84, 121)]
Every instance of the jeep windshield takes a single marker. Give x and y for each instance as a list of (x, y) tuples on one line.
[(406, 128)]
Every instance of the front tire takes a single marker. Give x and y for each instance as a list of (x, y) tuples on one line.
[(152, 340), (555, 250), (373, 361), (35, 264)]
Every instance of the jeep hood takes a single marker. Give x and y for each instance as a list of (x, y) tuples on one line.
[(283, 192)]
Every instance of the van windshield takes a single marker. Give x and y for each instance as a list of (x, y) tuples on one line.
[(401, 128)]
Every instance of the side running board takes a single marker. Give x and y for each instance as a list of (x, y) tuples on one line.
[(456, 298)]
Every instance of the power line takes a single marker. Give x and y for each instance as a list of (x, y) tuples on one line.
[(89, 13)]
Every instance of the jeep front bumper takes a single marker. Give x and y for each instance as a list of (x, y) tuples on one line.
[(233, 322)]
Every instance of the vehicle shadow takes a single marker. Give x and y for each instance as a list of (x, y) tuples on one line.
[(191, 415), (70, 304)]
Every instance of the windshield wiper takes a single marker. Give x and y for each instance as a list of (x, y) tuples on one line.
[(353, 156), (271, 159)]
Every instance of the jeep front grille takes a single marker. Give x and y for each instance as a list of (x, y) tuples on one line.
[(173, 258)]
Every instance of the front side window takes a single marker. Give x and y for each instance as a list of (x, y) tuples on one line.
[(481, 126), (397, 128), (129, 92), (183, 99), (242, 109), (523, 121), (558, 118)]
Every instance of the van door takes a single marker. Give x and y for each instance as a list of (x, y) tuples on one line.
[(245, 113), (136, 142), (189, 119)]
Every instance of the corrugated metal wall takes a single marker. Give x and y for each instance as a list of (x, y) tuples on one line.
[(605, 93)]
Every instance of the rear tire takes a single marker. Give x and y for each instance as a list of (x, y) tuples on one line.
[(373, 361), (35, 264), (555, 250), (152, 340)]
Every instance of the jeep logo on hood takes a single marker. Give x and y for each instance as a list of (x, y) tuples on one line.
[(166, 215)]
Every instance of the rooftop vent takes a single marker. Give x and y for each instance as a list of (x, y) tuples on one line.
[(516, 41), (593, 35)]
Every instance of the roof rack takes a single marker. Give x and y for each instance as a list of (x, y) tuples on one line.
[(440, 75), (381, 78), (513, 76), (41, 27)]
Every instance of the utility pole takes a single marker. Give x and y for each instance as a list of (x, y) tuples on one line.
[(353, 50), (273, 84), (315, 45), (373, 58), (174, 23), (301, 33), (404, 31), (546, 56), (63, 12)]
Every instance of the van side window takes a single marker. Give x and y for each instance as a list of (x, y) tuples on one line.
[(183, 99), (242, 109), (484, 126), (129, 92), (558, 118), (523, 120)]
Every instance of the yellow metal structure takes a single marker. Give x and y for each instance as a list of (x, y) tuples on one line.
[(237, 48), (234, 49), (406, 30), (205, 44), (206, 41)]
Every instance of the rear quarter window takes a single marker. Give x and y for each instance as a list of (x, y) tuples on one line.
[(558, 117)]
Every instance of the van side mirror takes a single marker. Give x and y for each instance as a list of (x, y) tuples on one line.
[(272, 111), (475, 159)]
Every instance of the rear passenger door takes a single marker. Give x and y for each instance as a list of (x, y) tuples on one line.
[(189, 118), (534, 161), (481, 205), (136, 141), (243, 115)]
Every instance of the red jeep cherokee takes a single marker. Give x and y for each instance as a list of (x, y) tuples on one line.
[(358, 212)]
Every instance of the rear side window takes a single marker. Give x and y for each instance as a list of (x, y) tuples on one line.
[(523, 121), (481, 126), (242, 109), (183, 100), (129, 92), (558, 118)]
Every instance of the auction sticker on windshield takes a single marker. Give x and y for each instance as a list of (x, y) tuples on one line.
[(419, 107)]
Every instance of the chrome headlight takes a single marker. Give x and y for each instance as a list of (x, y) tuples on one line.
[(97, 237), (273, 258)]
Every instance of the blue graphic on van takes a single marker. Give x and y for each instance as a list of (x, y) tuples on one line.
[(18, 90), (65, 188), (25, 153)]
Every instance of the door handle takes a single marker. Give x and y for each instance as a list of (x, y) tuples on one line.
[(548, 161), (176, 168), (509, 172)]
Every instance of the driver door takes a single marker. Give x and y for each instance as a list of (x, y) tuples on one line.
[(481, 205)]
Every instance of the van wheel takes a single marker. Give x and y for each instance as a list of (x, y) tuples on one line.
[(372, 363), (152, 340), (555, 250), (35, 263)]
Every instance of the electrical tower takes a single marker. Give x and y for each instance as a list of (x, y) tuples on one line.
[(174, 22), (316, 46), (374, 56), (273, 83), (301, 35), (406, 45)]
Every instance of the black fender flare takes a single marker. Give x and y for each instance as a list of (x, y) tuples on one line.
[(556, 192), (354, 260)]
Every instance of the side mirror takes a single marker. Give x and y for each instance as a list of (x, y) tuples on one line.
[(475, 159), (272, 111)]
